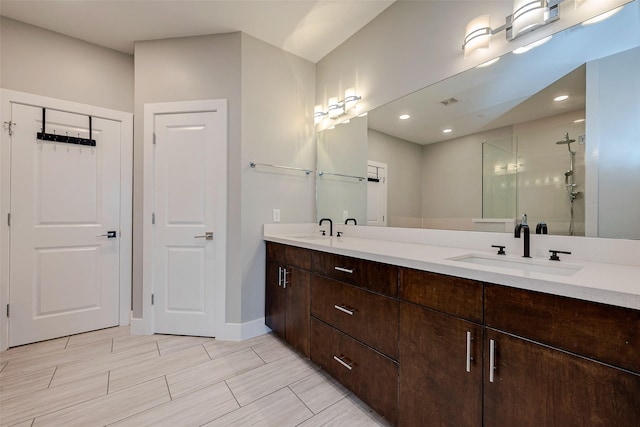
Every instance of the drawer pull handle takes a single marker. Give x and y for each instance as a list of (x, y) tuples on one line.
[(343, 309), (492, 359), (344, 270), (469, 358), (347, 365), (284, 277), (279, 276)]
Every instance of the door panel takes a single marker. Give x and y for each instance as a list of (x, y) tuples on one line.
[(64, 275), (185, 204)]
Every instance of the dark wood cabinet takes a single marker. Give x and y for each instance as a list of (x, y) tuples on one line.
[(440, 369), (536, 385), (366, 316), (287, 294), (372, 376), (423, 348)]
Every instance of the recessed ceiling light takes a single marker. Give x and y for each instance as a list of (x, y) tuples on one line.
[(578, 121), (530, 46), (447, 130), (602, 17), (561, 98), (404, 117), (490, 62)]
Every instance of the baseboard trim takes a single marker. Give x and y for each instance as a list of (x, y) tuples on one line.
[(242, 331)]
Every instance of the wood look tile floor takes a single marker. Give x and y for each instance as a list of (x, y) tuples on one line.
[(112, 378)]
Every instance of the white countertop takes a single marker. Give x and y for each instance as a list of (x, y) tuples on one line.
[(613, 284)]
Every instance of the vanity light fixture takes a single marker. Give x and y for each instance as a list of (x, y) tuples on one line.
[(578, 120), (404, 117), (561, 98), (527, 16), (447, 130), (337, 108)]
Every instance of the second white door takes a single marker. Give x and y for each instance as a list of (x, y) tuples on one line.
[(187, 149)]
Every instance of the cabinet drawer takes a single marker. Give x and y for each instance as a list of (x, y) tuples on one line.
[(375, 276), (290, 255), (599, 331), (368, 317), (370, 375), (452, 295)]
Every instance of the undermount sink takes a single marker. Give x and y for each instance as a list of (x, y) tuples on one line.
[(523, 265), (311, 237)]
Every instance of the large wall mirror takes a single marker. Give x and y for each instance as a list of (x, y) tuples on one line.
[(572, 164)]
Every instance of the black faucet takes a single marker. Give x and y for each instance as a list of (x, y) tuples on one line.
[(541, 228), (330, 225), (523, 226), (346, 221)]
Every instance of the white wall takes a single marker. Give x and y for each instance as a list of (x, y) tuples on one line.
[(42, 62), (184, 69), (277, 127), (404, 177), (613, 155)]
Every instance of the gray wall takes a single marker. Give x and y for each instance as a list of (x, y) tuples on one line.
[(277, 127), (185, 69), (613, 151), (42, 62), (404, 175)]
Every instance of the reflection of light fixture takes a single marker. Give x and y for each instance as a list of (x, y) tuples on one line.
[(447, 130), (561, 98), (602, 17), (528, 47), (404, 117), (527, 16), (578, 121), (488, 63), (337, 108)]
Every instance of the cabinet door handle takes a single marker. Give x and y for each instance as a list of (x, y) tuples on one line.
[(343, 309), (348, 365), (279, 276), (469, 358), (344, 270), (284, 277), (492, 359)]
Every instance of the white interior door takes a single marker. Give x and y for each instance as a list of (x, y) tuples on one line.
[(377, 193), (188, 147), (64, 271)]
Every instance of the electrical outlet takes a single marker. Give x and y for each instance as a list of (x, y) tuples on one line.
[(276, 215), (345, 215)]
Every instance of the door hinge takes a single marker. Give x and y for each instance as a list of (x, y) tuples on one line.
[(153, 219), (154, 139), (9, 219), (152, 299), (8, 310)]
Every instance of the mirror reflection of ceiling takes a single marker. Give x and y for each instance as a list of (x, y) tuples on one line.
[(514, 90)]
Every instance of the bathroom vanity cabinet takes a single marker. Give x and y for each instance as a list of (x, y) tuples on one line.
[(287, 303), (420, 347)]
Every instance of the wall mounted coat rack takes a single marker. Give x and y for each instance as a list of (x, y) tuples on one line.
[(65, 138)]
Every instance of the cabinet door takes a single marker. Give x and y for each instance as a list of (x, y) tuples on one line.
[(535, 385), (275, 299), (440, 369), (298, 316)]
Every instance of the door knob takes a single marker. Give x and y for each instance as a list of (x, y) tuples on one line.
[(110, 235), (207, 236)]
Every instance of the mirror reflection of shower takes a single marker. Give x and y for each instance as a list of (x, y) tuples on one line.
[(569, 179)]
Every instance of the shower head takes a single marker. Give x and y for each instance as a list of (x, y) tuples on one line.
[(567, 141)]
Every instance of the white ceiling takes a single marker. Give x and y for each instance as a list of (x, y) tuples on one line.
[(307, 28)]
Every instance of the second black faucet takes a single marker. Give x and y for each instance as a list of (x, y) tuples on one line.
[(330, 225)]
